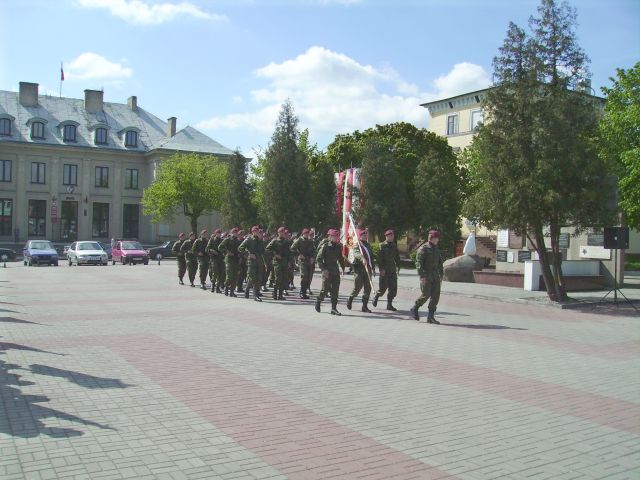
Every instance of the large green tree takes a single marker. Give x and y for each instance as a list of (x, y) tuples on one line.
[(187, 183), (237, 207), (619, 139), (284, 182), (533, 168)]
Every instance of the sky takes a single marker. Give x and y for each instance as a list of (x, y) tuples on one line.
[(226, 66)]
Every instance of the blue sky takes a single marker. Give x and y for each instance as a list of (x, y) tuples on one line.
[(226, 66)]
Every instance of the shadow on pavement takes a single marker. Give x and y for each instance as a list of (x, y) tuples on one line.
[(481, 327), (16, 320), (82, 379), (23, 414)]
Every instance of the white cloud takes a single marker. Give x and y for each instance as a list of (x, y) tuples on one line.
[(140, 13), (333, 93), (91, 66)]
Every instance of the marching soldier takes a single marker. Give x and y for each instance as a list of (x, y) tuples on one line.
[(280, 250), (268, 262), (229, 248), (253, 247), (192, 262), (304, 249), (182, 263), (364, 269), (199, 249), (430, 269), (388, 263), (291, 264), (329, 256), (216, 262), (242, 264)]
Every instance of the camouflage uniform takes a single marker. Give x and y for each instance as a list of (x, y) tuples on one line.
[(329, 260), (229, 248), (429, 263), (199, 249), (279, 247), (253, 247), (363, 271), (182, 263), (192, 262), (388, 262), (304, 249)]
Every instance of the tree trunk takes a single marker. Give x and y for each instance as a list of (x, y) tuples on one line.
[(194, 224), (556, 260), (538, 238)]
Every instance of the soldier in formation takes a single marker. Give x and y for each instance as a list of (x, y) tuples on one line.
[(199, 249), (182, 263), (330, 260), (388, 265), (253, 247), (229, 248), (364, 270), (303, 247), (192, 262), (279, 247), (430, 269)]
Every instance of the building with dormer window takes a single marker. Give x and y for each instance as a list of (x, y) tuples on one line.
[(75, 169)]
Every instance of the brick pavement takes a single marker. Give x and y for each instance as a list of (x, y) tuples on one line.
[(117, 372)]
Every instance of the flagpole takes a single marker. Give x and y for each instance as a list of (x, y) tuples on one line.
[(61, 79)]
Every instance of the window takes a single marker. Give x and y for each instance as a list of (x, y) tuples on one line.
[(452, 124), (131, 138), (131, 178), (69, 133), (37, 130), (37, 217), (5, 170), (6, 214), (476, 117), (38, 171), (70, 174), (102, 177), (5, 126), (101, 136), (130, 220), (100, 220)]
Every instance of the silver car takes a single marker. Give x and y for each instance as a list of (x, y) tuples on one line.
[(88, 253)]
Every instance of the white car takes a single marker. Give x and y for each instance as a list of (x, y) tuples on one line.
[(88, 253)]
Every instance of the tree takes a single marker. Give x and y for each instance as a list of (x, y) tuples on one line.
[(191, 182), (237, 208), (619, 136), (322, 184), (384, 194), (284, 188), (532, 166)]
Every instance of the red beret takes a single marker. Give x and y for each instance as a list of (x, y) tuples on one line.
[(234, 230), (305, 231), (203, 231), (282, 230), (434, 234), (332, 232), (388, 232), (255, 228), (217, 231), (181, 234), (363, 231), (192, 233)]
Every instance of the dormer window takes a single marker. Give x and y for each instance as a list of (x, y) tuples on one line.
[(69, 133), (37, 130), (5, 127), (101, 136), (131, 138)]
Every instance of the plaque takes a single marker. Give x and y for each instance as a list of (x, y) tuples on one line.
[(524, 255), (564, 240), (503, 238), (501, 255), (595, 240)]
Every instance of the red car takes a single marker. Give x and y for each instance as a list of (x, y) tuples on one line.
[(129, 251)]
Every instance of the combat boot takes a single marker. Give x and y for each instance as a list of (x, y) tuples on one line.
[(390, 306), (375, 300), (431, 318), (303, 293), (275, 293), (246, 293), (365, 301), (334, 309), (349, 302), (414, 313), (180, 282), (232, 293), (226, 291), (318, 302), (280, 295)]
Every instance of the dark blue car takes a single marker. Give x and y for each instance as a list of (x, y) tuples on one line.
[(39, 252)]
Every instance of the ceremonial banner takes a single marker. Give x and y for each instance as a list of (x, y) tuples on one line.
[(347, 203)]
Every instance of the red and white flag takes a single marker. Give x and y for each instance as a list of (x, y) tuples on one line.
[(61, 73)]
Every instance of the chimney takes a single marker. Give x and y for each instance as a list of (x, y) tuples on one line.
[(133, 103), (28, 94), (93, 101), (171, 126)]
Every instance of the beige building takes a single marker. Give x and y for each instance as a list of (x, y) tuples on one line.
[(75, 169)]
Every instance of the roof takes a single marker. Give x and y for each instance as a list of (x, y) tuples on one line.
[(116, 117)]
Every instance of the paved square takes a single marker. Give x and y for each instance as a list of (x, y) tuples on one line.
[(117, 372)]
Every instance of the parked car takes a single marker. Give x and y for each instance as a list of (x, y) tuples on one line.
[(129, 251), (37, 252), (164, 250), (107, 248), (11, 254), (88, 253)]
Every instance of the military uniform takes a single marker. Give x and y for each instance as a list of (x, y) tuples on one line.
[(217, 271), (330, 260), (304, 248), (388, 262), (229, 248), (242, 265), (182, 263), (192, 262), (253, 247), (199, 249), (279, 247), (363, 268), (429, 263), (268, 265)]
